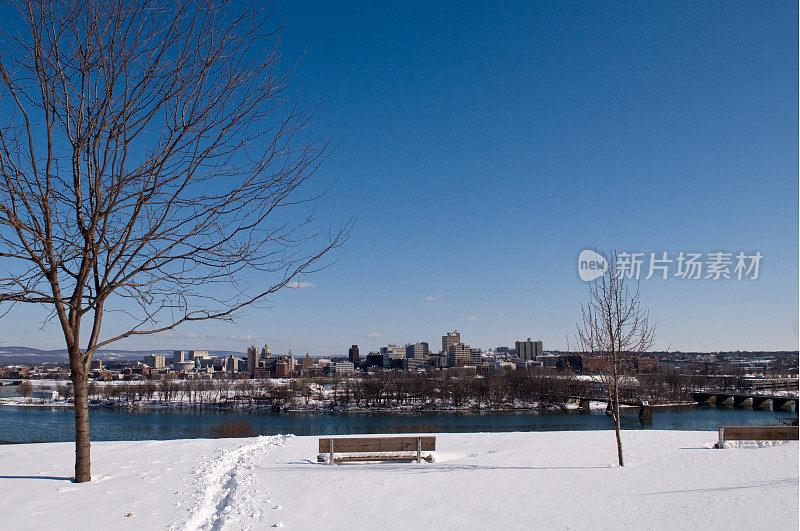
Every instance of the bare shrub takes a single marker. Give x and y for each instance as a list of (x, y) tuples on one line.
[(230, 429)]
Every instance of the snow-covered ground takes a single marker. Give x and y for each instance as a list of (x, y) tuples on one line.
[(533, 480)]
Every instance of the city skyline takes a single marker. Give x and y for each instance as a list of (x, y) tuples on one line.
[(484, 147)]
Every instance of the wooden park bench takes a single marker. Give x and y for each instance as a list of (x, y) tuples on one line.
[(376, 449), (756, 433)]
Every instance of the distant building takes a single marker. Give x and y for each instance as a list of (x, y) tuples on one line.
[(198, 355), (374, 359), (179, 356), (344, 367), (234, 364), (97, 365), (155, 361), (528, 350), (438, 360), (417, 350), (261, 373), (415, 364), (450, 339), (283, 369), (573, 362), (252, 358), (266, 353), (459, 355), (549, 360), (352, 354), (475, 355), (45, 394), (306, 363), (185, 365), (392, 352)]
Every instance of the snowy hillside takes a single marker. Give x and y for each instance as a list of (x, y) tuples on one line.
[(544, 480)]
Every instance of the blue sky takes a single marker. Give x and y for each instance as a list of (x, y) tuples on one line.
[(483, 146)]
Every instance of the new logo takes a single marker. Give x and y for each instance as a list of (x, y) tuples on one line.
[(591, 265)]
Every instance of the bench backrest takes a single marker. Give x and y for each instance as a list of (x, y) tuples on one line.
[(376, 444), (759, 433)]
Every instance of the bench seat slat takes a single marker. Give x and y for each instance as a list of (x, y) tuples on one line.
[(377, 444), (758, 433)]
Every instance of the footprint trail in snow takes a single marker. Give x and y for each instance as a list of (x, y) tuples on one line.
[(227, 494)]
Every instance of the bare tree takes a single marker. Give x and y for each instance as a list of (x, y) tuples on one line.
[(614, 329), (150, 164), (25, 389)]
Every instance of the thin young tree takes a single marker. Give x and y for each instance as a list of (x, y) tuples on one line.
[(153, 162), (614, 329)]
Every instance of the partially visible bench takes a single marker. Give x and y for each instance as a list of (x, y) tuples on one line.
[(375, 448), (756, 433)]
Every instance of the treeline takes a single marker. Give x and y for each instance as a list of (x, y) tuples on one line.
[(391, 389), (448, 389), (433, 390)]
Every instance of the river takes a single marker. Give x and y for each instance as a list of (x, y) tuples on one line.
[(25, 424)]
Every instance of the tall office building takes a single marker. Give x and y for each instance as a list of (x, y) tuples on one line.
[(475, 355), (352, 354), (306, 363), (450, 339), (179, 356), (252, 359), (417, 350), (528, 350), (232, 364), (458, 355), (392, 352)]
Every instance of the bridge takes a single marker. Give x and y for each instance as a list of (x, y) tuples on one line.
[(756, 401)]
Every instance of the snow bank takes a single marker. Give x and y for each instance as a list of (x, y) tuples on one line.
[(738, 445), (545, 480)]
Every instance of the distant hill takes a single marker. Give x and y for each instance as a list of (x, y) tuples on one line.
[(11, 355)]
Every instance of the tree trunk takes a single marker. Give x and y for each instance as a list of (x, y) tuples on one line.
[(617, 423), (81, 406)]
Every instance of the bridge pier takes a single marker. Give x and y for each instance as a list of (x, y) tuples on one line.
[(724, 400), (782, 404), (704, 398), (742, 401), (583, 404), (762, 403), (645, 412)]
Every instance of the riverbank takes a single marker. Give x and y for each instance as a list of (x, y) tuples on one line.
[(321, 407), (546, 480)]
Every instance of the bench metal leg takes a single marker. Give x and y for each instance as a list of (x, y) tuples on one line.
[(721, 442), (419, 449), (330, 460)]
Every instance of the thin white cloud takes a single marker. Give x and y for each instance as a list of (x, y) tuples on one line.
[(299, 285), (430, 298), (181, 335), (246, 338), (372, 334), (473, 317)]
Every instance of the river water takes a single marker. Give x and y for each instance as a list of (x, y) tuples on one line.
[(25, 424)]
